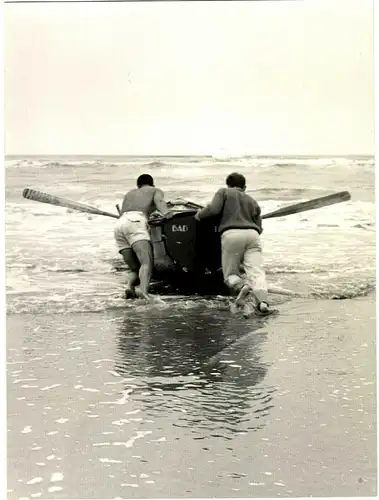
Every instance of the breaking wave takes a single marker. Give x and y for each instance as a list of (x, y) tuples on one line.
[(206, 161)]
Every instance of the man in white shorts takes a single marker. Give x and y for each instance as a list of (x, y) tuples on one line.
[(240, 227), (133, 236)]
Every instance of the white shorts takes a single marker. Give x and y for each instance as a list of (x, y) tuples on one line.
[(131, 227)]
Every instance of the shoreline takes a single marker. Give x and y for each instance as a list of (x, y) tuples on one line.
[(282, 301)]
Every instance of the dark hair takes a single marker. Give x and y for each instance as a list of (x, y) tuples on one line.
[(236, 180), (145, 180)]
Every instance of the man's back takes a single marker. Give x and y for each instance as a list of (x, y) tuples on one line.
[(140, 200), (238, 203), (240, 210)]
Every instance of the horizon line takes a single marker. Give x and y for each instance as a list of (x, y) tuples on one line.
[(206, 155)]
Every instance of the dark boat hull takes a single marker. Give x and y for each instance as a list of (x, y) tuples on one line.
[(187, 253)]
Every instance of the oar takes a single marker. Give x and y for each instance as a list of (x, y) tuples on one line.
[(31, 194), (324, 201)]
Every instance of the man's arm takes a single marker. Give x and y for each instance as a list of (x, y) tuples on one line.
[(214, 207), (123, 204), (159, 202)]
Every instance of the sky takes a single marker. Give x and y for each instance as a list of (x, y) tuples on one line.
[(273, 77)]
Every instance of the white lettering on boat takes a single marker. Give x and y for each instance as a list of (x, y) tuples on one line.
[(183, 228)]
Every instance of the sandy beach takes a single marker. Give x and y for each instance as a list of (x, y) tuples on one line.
[(99, 409)]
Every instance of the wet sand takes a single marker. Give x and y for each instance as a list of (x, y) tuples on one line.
[(198, 404)]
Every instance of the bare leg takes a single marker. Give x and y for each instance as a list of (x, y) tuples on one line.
[(131, 261), (144, 252)]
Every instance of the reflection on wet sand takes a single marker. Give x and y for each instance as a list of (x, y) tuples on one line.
[(169, 359), (235, 411)]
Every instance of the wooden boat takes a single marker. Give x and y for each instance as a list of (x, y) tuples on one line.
[(187, 252)]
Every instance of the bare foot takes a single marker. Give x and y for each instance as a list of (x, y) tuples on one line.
[(130, 292), (150, 299), (143, 295)]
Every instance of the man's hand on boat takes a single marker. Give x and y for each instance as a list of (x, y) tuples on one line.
[(158, 219)]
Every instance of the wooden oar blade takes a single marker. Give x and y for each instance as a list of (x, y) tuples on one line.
[(324, 201), (32, 194)]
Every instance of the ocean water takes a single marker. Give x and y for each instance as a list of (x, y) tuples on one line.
[(116, 399), (59, 261)]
